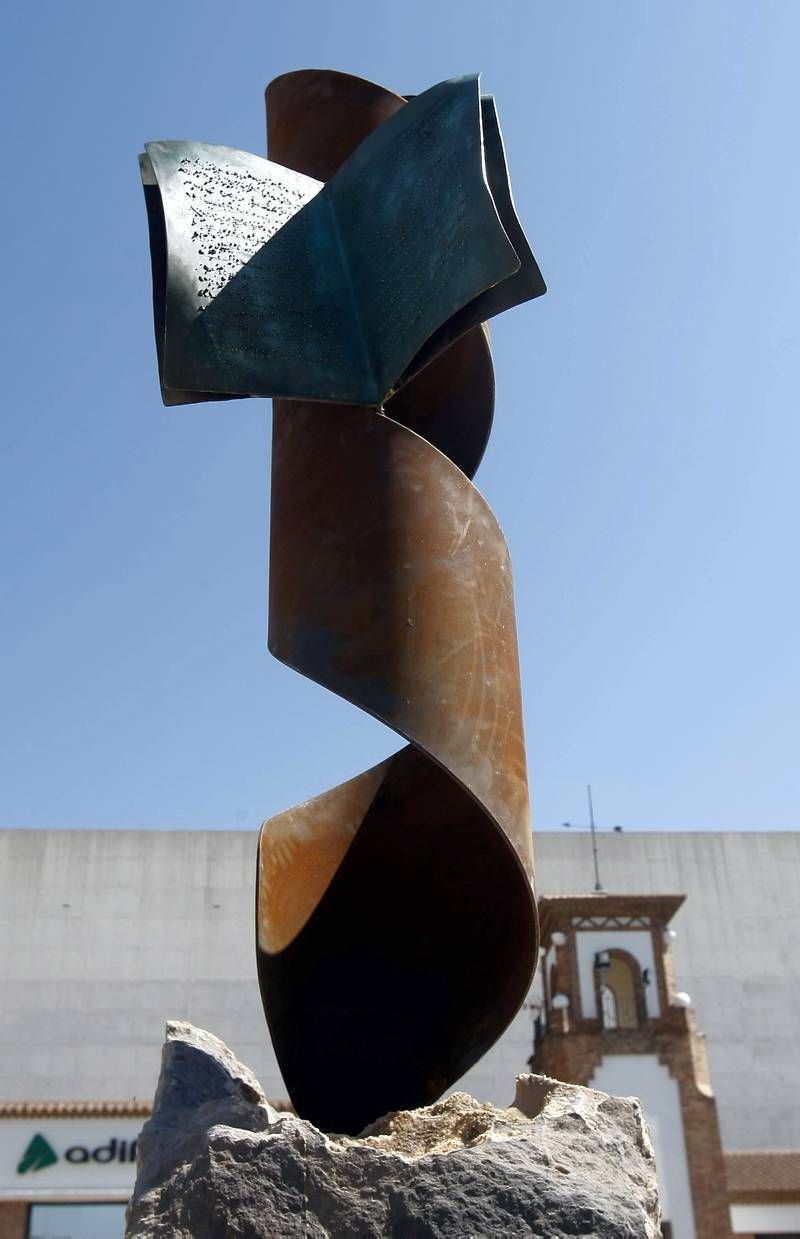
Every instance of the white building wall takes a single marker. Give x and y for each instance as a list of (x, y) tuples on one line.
[(643, 1076), (105, 934), (765, 1219)]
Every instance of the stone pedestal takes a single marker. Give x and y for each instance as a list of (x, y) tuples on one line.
[(216, 1160)]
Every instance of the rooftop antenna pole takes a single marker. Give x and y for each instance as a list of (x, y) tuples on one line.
[(597, 883)]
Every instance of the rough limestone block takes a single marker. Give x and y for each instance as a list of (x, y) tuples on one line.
[(215, 1159)]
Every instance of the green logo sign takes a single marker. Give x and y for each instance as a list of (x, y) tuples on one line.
[(38, 1154)]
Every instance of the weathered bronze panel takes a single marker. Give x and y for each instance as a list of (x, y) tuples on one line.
[(270, 284)]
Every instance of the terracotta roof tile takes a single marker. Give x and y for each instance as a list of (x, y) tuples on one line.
[(761, 1174), (89, 1109), (74, 1109)]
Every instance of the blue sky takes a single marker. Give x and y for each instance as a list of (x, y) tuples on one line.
[(643, 461)]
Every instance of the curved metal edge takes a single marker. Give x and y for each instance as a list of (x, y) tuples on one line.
[(299, 852)]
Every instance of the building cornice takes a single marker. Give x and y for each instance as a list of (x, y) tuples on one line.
[(74, 1109), (93, 1109), (559, 912)]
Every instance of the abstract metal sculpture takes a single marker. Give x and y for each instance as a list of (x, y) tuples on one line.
[(350, 278)]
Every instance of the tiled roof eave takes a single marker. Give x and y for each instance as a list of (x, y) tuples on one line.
[(760, 1176), (74, 1109), (91, 1109)]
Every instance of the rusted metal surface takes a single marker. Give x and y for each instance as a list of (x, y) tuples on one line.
[(351, 273), (396, 921), (317, 117)]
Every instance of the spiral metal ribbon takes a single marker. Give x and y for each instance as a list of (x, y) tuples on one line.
[(396, 919)]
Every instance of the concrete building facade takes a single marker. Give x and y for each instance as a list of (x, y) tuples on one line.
[(108, 933)]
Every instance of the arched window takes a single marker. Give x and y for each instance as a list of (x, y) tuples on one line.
[(620, 992)]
